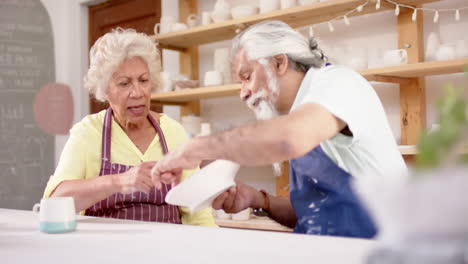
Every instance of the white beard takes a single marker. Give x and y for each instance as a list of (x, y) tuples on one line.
[(265, 109)]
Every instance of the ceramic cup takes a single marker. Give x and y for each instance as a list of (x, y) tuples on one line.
[(243, 11), (269, 6), (206, 18), (243, 215), (165, 26), (166, 82), (445, 52), (288, 4), (213, 78), (307, 2), (432, 45), (56, 215), (395, 57), (178, 27), (461, 48), (192, 20)]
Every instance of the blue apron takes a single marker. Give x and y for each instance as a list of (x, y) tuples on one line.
[(323, 200)]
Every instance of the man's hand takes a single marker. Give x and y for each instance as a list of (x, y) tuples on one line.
[(236, 199), (169, 169)]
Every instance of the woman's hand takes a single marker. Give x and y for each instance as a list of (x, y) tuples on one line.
[(136, 179), (169, 169)]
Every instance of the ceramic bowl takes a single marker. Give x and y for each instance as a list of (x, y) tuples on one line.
[(243, 11), (199, 190)]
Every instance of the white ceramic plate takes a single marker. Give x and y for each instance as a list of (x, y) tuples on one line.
[(199, 190)]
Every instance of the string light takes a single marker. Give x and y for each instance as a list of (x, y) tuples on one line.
[(346, 20), (415, 15), (398, 6), (360, 8), (311, 31), (330, 26), (436, 16)]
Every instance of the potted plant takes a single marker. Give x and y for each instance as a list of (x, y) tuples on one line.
[(423, 216)]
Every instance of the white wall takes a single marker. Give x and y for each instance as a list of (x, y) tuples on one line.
[(70, 27), (69, 22)]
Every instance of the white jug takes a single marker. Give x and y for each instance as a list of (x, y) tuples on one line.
[(221, 11)]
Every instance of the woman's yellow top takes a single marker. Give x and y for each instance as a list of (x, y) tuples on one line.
[(81, 156)]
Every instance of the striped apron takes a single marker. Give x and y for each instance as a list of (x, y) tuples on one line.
[(138, 205)]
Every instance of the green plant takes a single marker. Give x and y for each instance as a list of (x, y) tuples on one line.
[(448, 145)]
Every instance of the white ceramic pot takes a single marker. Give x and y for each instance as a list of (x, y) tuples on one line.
[(432, 45), (243, 11), (395, 57), (221, 11), (445, 52)]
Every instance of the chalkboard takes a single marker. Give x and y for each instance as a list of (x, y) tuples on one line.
[(26, 65)]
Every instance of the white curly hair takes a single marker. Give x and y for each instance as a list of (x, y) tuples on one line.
[(110, 50)]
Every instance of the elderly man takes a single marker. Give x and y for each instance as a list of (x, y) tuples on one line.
[(327, 120)]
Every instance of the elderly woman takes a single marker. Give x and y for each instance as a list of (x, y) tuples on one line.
[(105, 165)]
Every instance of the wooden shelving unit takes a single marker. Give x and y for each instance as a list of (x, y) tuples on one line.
[(409, 77), (296, 17), (386, 74)]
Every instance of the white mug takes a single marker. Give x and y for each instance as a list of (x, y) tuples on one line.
[(166, 82), (395, 57), (445, 52), (461, 48), (192, 20), (213, 78), (269, 6), (288, 4), (307, 2), (178, 27), (206, 18), (165, 26), (56, 214)]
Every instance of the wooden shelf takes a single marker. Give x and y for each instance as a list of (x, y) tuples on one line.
[(296, 17), (407, 150), (383, 74), (187, 95), (418, 69)]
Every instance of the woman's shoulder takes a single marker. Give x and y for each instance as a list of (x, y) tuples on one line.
[(90, 124)]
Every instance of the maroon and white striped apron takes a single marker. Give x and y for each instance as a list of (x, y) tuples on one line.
[(137, 205)]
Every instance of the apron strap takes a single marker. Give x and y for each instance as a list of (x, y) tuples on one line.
[(160, 134), (106, 136)]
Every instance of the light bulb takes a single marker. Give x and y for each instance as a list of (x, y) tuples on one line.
[(330, 26), (346, 20), (415, 15), (360, 8), (397, 10), (311, 31), (377, 5), (457, 15), (436, 16)]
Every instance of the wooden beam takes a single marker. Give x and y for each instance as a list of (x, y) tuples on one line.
[(189, 57), (413, 94), (282, 181)]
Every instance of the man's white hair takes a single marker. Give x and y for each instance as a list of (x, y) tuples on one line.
[(272, 37), (110, 50)]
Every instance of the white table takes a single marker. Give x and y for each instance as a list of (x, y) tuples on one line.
[(99, 240)]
